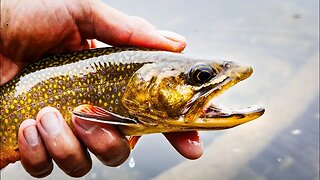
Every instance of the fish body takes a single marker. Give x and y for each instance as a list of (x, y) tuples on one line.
[(143, 91)]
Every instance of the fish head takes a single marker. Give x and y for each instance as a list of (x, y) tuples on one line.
[(177, 92)]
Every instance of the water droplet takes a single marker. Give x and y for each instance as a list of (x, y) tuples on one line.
[(132, 163), (279, 160), (296, 132)]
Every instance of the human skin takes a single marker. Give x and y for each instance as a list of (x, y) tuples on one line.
[(33, 29)]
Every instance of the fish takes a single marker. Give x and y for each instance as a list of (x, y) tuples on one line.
[(139, 90)]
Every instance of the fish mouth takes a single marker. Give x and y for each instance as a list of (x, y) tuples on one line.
[(227, 117), (210, 116)]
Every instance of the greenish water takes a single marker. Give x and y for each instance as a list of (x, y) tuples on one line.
[(280, 39)]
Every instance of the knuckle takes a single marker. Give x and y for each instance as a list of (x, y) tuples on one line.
[(113, 153), (72, 159), (65, 153), (106, 146)]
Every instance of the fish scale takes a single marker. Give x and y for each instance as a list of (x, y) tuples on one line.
[(63, 82)]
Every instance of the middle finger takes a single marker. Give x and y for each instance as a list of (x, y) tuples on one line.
[(62, 144)]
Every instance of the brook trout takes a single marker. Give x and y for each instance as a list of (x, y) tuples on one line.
[(141, 91)]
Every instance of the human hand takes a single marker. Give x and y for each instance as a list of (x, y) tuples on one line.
[(32, 29)]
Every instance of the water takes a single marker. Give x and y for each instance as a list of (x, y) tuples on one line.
[(132, 162), (280, 39)]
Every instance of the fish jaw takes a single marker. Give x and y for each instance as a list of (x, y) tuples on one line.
[(229, 117), (203, 115)]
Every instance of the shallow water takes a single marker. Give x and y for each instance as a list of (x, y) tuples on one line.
[(280, 40)]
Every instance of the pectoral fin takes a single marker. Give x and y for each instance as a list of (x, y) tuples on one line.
[(98, 114), (133, 141)]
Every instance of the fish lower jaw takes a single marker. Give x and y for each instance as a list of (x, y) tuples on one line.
[(213, 115)]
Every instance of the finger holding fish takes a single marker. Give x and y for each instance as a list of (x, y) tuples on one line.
[(34, 156), (108, 144), (61, 143)]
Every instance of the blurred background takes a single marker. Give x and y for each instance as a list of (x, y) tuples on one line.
[(280, 40)]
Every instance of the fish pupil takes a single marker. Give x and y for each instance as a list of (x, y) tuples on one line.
[(204, 76), (201, 74)]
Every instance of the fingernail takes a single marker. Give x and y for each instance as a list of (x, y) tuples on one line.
[(172, 36), (88, 126), (31, 135), (50, 123)]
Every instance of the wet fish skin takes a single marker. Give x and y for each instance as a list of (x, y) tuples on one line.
[(161, 91), (64, 82)]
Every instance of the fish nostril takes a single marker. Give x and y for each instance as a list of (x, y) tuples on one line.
[(228, 64)]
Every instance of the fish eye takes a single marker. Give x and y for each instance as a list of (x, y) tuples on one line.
[(201, 73)]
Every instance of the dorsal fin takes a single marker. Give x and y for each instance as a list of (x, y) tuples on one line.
[(98, 114)]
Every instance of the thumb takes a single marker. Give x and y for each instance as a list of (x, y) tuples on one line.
[(118, 29)]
